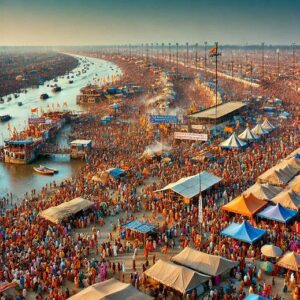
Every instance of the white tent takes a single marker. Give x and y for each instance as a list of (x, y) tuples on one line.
[(211, 265), (266, 125), (295, 184), (111, 289), (288, 199), (176, 277), (233, 142), (189, 187), (248, 135), (258, 130), (263, 191), (57, 213)]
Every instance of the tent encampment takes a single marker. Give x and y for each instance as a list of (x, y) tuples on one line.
[(111, 289), (233, 142), (277, 213), (189, 187), (245, 205), (290, 261), (263, 191), (56, 214), (248, 136), (288, 198), (244, 232), (294, 185), (208, 264), (176, 277)]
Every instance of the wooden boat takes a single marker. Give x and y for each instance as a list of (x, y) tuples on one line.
[(1, 101), (20, 103), (5, 118), (43, 170), (56, 89), (51, 169), (44, 96)]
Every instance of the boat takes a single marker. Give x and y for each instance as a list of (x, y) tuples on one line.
[(5, 118), (8, 98), (71, 81), (51, 169), (55, 80), (20, 103), (56, 89), (43, 170), (16, 96), (1, 101), (44, 96)]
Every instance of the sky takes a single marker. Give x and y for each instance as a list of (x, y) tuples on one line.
[(115, 22)]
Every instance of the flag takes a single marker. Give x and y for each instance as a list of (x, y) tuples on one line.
[(34, 109), (200, 212)]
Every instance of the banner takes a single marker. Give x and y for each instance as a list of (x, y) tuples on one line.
[(191, 136), (198, 127), (36, 120), (163, 119)]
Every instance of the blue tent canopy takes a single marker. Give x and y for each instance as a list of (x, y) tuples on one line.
[(255, 297), (115, 172), (139, 226), (277, 213), (243, 232)]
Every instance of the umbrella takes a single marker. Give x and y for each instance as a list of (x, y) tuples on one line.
[(267, 266), (271, 251)]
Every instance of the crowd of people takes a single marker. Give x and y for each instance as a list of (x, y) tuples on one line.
[(49, 258)]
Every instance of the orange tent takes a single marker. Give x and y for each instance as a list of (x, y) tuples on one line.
[(245, 205)]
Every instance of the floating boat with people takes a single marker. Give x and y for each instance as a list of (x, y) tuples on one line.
[(5, 118), (20, 103), (43, 170), (44, 96), (56, 89), (1, 101)]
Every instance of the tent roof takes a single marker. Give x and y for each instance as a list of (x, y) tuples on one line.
[(81, 142), (263, 191), (189, 187), (174, 276), (278, 175), (288, 199), (111, 289), (271, 251), (295, 184), (248, 135), (255, 297), (267, 125), (56, 214), (139, 226), (233, 142), (258, 130), (290, 261), (277, 213), (115, 172), (212, 265), (243, 232), (245, 205)]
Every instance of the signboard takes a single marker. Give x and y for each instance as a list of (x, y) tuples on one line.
[(191, 136), (198, 127), (163, 119), (36, 120)]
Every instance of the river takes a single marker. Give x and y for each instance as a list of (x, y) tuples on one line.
[(18, 179)]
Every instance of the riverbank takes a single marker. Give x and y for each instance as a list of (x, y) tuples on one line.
[(19, 72)]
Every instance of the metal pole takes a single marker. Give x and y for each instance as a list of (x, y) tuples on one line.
[(294, 62), (169, 53), (216, 80), (162, 53), (176, 60), (157, 50), (151, 52), (232, 68), (147, 54), (277, 62), (196, 56), (205, 58), (263, 60), (187, 55)]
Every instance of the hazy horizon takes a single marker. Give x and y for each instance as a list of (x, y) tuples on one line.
[(100, 23)]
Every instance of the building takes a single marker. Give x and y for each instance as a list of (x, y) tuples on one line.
[(217, 114), (79, 148), (90, 94)]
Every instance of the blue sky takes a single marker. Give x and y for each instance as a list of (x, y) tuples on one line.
[(97, 22)]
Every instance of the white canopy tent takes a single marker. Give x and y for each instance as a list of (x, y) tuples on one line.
[(248, 135), (258, 130), (266, 125), (189, 187), (288, 199), (263, 191), (233, 142)]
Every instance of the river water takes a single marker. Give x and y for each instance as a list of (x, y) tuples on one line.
[(18, 179)]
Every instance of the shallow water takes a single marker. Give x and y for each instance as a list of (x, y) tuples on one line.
[(19, 179)]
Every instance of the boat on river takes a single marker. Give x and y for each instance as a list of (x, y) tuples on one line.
[(44, 96), (56, 89), (20, 103), (51, 169), (5, 118), (43, 170), (1, 101)]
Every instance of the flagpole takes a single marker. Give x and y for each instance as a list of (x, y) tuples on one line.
[(216, 80), (200, 215)]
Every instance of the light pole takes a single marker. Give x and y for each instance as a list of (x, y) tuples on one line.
[(187, 55), (205, 58), (277, 51), (162, 53), (196, 56), (176, 60), (294, 62), (169, 53), (263, 60)]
